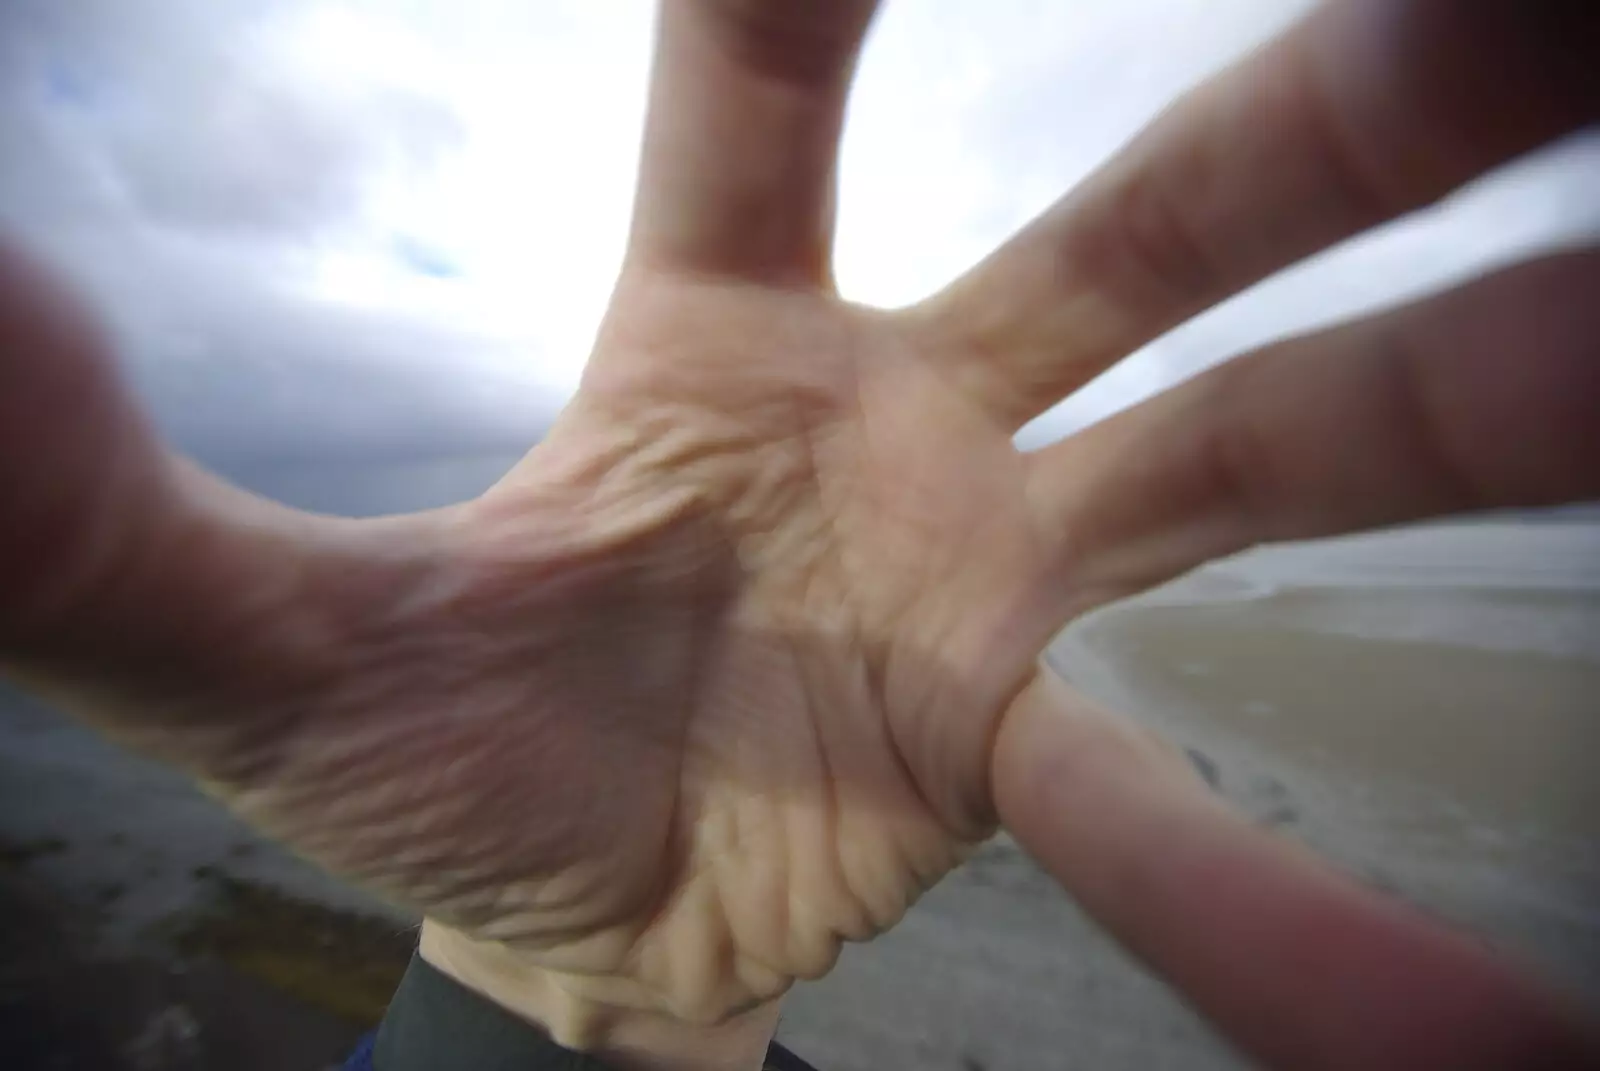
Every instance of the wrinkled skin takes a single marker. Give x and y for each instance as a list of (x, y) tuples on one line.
[(711, 682), (703, 688)]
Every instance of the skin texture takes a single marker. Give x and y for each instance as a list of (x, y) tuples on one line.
[(742, 658)]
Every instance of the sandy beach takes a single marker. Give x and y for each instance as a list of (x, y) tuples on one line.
[(1423, 707)]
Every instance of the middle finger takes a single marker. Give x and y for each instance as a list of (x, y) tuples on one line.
[(1366, 110)]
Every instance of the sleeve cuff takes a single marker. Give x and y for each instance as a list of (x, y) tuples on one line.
[(436, 1024)]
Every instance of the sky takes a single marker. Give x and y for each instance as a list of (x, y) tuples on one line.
[(388, 228)]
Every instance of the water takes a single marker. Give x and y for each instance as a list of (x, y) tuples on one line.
[(1512, 554)]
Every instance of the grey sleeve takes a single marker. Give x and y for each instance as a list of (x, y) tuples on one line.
[(436, 1024)]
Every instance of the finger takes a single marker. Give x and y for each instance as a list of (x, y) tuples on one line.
[(125, 573), (1366, 110), (1298, 966), (1485, 397), (746, 104)]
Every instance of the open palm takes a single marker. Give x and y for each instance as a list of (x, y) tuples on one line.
[(711, 682), (707, 685)]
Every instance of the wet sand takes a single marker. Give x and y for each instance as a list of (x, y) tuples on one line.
[(1513, 734), (1431, 725), (1433, 731)]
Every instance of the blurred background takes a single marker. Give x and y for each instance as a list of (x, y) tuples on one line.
[(352, 255)]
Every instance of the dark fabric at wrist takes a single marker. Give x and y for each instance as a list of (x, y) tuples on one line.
[(435, 1023)]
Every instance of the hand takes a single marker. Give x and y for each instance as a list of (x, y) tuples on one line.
[(713, 681), (704, 688)]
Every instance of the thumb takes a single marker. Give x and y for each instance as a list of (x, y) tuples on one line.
[(1297, 965)]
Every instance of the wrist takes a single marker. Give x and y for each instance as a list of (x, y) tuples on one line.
[(625, 1037)]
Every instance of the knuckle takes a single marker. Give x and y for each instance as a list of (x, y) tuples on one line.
[(1433, 451), (1238, 466), (1347, 157), (1160, 240)]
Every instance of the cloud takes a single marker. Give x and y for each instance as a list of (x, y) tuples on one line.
[(191, 168), (969, 119), (212, 115), (390, 226)]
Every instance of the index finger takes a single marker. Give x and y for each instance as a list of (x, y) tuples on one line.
[(1366, 110)]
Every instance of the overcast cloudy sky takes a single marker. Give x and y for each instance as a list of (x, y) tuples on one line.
[(380, 227)]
